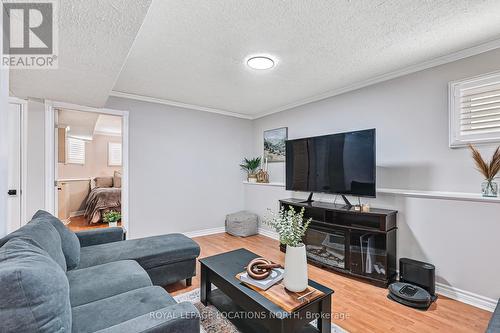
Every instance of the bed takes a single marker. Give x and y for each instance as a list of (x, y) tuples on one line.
[(101, 199)]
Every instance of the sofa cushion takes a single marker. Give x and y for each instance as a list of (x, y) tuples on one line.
[(44, 235), (149, 252), (69, 242), (117, 309), (97, 282), (34, 290)]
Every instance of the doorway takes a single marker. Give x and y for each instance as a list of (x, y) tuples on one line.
[(87, 183)]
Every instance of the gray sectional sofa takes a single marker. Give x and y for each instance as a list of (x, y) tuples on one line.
[(54, 280), (494, 325)]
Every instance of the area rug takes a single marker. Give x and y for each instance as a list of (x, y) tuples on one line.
[(211, 319)]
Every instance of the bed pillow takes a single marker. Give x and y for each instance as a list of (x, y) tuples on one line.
[(104, 182), (69, 242), (117, 179), (34, 290)]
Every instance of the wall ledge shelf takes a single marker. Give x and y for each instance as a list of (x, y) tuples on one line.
[(442, 195), (459, 196), (265, 184)]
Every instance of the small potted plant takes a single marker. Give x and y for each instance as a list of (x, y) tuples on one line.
[(251, 166), (112, 217), (488, 170), (291, 227)]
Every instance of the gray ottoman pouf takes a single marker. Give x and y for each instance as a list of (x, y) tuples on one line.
[(242, 224)]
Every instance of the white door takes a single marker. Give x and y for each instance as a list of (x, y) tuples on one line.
[(14, 168)]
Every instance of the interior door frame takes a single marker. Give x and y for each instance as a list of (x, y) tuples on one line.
[(23, 107), (51, 156)]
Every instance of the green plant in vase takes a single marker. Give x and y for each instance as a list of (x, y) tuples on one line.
[(488, 170), (251, 166), (291, 228), (112, 217)]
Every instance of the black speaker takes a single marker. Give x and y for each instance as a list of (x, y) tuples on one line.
[(418, 273)]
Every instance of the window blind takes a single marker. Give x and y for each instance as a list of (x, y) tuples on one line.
[(475, 110), (114, 154), (75, 151)]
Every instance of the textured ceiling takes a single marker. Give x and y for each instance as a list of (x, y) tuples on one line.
[(194, 51), (94, 40), (85, 125)]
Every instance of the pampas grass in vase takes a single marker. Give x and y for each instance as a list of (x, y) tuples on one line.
[(488, 170)]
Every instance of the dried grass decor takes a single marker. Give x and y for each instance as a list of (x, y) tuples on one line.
[(488, 170)]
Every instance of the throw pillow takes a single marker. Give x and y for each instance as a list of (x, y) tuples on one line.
[(117, 179), (104, 182)]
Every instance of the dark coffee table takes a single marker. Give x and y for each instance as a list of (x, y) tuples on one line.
[(249, 310)]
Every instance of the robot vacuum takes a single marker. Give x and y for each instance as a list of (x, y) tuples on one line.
[(416, 286), (409, 295)]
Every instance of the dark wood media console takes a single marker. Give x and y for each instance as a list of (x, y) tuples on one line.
[(360, 244)]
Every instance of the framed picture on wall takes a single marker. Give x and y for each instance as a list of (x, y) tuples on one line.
[(274, 144)]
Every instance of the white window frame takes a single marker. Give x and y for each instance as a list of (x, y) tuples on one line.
[(68, 157), (110, 162), (456, 139)]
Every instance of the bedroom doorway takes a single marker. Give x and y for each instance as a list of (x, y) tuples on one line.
[(87, 177)]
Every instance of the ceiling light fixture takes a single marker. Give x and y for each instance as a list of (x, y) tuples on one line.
[(260, 62)]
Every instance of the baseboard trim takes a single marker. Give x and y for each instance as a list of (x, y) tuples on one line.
[(467, 297), (268, 233), (204, 232)]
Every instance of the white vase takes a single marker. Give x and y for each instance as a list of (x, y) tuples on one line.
[(113, 224), (295, 277)]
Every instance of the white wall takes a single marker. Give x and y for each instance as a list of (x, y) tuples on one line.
[(184, 173), (411, 117), (4, 93)]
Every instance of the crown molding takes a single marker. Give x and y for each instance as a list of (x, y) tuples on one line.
[(178, 104), (469, 52)]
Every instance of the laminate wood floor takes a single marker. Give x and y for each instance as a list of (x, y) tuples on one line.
[(79, 223), (357, 306)]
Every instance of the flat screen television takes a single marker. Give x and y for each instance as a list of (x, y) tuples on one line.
[(343, 163)]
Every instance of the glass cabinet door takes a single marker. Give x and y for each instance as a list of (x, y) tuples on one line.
[(368, 255)]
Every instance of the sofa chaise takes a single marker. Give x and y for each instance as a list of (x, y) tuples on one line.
[(54, 280)]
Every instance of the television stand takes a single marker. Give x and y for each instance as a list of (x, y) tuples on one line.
[(358, 244), (309, 199)]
